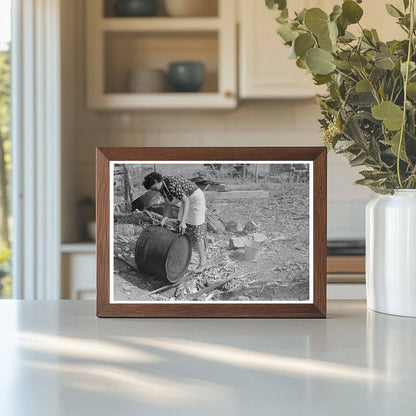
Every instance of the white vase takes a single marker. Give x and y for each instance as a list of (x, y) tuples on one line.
[(391, 253)]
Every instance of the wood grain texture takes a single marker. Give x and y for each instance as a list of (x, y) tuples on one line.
[(317, 309), (346, 264)]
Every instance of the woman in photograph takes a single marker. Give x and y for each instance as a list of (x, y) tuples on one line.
[(177, 190)]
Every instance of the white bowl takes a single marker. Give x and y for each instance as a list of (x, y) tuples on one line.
[(146, 80)]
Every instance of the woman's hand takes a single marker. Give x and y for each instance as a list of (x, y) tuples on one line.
[(182, 227)]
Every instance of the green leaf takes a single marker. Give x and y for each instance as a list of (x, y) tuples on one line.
[(347, 37), (342, 25), (286, 32), (343, 65), (333, 32), (336, 12), (411, 90), (363, 86), (321, 79), (276, 4), (374, 150), (319, 61), (351, 11), (316, 20), (412, 67), (361, 99), (325, 42), (300, 17), (394, 145), (364, 181), (393, 11), (391, 114), (301, 63), (358, 160), (406, 4), (358, 61), (375, 175), (375, 35), (303, 43), (343, 145), (385, 63)]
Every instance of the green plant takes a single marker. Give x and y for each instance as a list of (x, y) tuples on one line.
[(369, 113)]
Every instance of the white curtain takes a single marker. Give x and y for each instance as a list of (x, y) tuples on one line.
[(36, 148)]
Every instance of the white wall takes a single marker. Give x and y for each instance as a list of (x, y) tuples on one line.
[(266, 123)]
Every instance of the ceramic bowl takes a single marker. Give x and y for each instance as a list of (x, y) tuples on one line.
[(186, 76), (135, 8), (147, 80)]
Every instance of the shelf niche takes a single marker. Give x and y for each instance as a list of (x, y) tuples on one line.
[(212, 5), (127, 51)]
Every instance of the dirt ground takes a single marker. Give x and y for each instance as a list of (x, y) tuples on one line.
[(281, 272)]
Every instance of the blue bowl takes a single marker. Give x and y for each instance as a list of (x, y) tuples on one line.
[(186, 76), (136, 8)]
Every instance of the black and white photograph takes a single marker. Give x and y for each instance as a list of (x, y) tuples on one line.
[(211, 232)]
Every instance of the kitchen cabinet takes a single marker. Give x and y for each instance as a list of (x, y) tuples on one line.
[(265, 70), (116, 46), (78, 264)]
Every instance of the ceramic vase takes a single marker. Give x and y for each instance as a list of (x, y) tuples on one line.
[(391, 253)]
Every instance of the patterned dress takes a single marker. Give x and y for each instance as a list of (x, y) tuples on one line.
[(178, 187)]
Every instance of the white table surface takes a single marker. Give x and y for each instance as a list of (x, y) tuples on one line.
[(57, 358)]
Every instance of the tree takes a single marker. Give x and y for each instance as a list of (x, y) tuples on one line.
[(5, 159)]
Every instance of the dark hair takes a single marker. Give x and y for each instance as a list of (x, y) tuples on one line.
[(151, 179)]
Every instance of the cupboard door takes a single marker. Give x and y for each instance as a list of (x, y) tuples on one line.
[(265, 68)]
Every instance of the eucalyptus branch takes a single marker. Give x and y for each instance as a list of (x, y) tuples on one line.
[(345, 75), (373, 89), (405, 81)]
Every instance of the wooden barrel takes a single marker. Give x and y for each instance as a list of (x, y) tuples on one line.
[(163, 253), (146, 200)]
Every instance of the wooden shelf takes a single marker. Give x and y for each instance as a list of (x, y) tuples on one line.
[(159, 24), (116, 46), (128, 101), (346, 264), (80, 247)]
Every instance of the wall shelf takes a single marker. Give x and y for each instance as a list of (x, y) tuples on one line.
[(117, 46), (159, 24)]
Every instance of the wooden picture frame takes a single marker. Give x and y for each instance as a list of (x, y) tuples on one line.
[(316, 305)]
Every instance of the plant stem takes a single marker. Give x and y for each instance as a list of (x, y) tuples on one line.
[(406, 80), (345, 75)]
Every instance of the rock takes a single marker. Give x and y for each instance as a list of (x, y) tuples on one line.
[(231, 226), (211, 239), (240, 228), (237, 242), (260, 238), (250, 227)]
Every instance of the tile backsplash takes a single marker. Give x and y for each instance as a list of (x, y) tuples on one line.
[(285, 123)]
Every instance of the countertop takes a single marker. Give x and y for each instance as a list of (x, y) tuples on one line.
[(57, 358)]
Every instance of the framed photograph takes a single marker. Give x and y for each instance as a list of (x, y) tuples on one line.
[(211, 232)]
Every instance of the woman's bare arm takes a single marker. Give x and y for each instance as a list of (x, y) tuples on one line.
[(185, 211), (167, 210)]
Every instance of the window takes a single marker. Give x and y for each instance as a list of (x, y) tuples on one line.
[(5, 144)]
